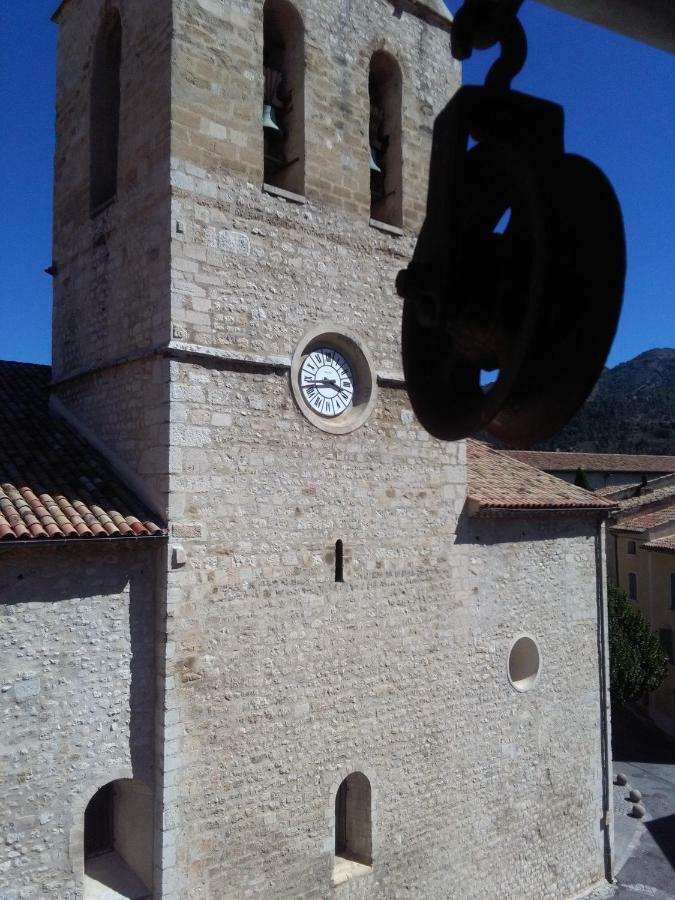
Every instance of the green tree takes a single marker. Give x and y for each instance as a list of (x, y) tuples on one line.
[(637, 662), (581, 480)]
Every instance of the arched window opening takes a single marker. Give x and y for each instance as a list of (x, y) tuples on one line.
[(284, 96), (105, 111), (386, 159), (353, 828), (118, 839)]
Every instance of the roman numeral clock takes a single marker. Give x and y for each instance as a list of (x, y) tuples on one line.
[(333, 380)]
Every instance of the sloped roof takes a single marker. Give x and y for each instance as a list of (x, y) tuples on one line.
[(661, 496), (53, 484), (645, 506), (646, 519), (594, 462), (439, 7), (434, 12), (496, 481), (662, 545)]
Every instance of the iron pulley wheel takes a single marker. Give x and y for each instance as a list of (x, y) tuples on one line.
[(534, 302)]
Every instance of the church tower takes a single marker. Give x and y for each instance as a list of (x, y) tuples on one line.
[(238, 183), (317, 516)]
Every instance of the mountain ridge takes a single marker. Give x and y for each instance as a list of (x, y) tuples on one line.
[(630, 410)]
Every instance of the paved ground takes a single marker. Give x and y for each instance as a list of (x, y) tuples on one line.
[(644, 849), (108, 877)]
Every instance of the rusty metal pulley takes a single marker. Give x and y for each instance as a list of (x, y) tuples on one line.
[(536, 300)]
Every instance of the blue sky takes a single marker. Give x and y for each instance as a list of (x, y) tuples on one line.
[(618, 97)]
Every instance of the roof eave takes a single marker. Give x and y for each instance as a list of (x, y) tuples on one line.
[(81, 542), (653, 549), (421, 10), (478, 510)]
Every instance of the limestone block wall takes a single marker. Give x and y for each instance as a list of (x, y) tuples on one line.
[(124, 411), (284, 681), (532, 786), (251, 272), (112, 278), (76, 703)]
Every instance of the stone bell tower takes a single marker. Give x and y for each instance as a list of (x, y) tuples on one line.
[(316, 534), (238, 183)]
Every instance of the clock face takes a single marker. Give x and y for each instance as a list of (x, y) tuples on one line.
[(326, 382)]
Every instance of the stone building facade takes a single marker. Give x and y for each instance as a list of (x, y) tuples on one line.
[(342, 647)]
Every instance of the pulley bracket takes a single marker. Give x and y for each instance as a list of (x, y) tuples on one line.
[(534, 300)]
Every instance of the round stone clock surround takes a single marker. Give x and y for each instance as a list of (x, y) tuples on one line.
[(333, 346)]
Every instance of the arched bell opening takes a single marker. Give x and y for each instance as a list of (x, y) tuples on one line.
[(353, 828), (283, 114), (118, 842), (385, 87), (104, 118)]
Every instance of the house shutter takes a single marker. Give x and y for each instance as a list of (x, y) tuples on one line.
[(666, 637)]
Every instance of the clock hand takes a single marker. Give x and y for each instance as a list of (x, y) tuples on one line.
[(325, 383)]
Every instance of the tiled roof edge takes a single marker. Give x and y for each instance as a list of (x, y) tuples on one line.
[(567, 460), (126, 474), (498, 512), (655, 547)]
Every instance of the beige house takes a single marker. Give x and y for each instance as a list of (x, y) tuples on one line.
[(641, 561)]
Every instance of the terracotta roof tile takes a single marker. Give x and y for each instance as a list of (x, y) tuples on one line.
[(649, 506), (497, 481), (663, 496), (645, 520), (52, 483), (662, 545), (594, 462)]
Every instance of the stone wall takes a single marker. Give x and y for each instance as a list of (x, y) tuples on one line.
[(284, 681), (532, 773), (276, 681), (112, 282), (76, 703), (252, 272), (125, 411), (112, 277)]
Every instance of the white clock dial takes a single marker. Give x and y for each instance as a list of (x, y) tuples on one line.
[(326, 382)]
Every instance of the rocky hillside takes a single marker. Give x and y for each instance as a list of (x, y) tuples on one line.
[(631, 410)]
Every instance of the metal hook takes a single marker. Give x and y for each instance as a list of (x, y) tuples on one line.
[(479, 25), (512, 59)]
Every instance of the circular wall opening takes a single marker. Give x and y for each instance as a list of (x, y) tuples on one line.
[(524, 663)]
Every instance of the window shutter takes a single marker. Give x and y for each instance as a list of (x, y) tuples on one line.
[(666, 638)]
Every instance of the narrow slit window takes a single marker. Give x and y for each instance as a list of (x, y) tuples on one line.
[(386, 160), (339, 562), (105, 111), (353, 828), (632, 586), (283, 113), (672, 591)]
